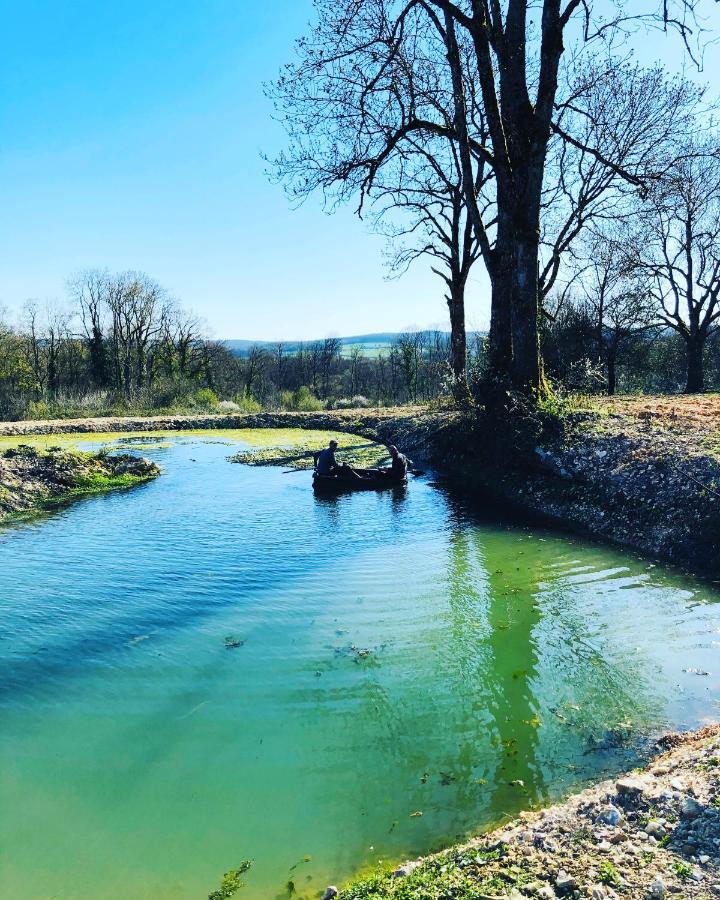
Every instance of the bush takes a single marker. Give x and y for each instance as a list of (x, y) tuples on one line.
[(305, 401), (301, 400), (205, 398), (246, 403), (356, 402), (37, 409)]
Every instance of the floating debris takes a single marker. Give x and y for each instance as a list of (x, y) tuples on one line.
[(232, 643)]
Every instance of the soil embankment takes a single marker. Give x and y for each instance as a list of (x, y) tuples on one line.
[(641, 473), (33, 480)]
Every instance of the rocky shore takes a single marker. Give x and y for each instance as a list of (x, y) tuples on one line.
[(651, 834), (33, 480)]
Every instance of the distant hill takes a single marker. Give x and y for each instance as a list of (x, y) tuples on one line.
[(371, 344)]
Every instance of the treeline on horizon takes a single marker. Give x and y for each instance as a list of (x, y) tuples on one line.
[(121, 344)]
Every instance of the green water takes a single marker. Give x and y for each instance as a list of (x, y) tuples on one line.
[(141, 758)]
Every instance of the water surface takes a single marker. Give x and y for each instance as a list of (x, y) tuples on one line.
[(400, 654)]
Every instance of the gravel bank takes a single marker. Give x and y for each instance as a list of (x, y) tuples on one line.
[(651, 834)]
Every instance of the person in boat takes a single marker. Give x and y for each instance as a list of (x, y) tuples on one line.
[(398, 469), (326, 464)]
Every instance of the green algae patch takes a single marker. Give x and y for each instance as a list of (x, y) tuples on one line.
[(295, 448), (231, 882)]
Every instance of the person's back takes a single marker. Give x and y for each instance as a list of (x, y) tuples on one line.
[(326, 462), (399, 467)]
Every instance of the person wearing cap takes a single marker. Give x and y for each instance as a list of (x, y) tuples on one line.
[(327, 464)]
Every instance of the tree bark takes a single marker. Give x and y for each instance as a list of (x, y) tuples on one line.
[(695, 368), (458, 336)]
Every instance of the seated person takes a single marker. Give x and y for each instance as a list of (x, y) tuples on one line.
[(326, 463), (398, 469)]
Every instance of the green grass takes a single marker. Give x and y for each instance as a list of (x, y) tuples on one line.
[(608, 874), (682, 869), (468, 875)]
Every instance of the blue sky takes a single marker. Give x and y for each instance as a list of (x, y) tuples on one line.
[(130, 137)]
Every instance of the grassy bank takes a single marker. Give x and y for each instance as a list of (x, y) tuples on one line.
[(34, 480)]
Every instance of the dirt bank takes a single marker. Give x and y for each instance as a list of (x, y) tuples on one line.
[(32, 480), (359, 420), (641, 473), (650, 834)]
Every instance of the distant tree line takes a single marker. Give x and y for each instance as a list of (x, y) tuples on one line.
[(122, 344)]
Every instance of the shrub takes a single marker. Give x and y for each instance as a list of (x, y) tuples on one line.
[(305, 401), (228, 406), (286, 400), (205, 398), (37, 409), (246, 403)]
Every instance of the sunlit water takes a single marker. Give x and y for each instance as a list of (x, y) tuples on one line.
[(141, 758)]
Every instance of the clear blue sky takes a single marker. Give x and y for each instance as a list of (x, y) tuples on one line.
[(130, 137)]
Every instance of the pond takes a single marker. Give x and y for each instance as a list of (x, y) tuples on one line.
[(217, 666)]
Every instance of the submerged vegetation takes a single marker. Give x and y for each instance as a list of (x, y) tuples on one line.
[(231, 882)]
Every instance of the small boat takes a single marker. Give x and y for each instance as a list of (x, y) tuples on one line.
[(370, 480)]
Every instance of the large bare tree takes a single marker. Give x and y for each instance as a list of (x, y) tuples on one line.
[(375, 73)]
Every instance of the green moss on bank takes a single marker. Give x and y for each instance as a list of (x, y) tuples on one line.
[(33, 481)]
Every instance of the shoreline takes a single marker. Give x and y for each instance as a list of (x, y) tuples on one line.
[(645, 835), (34, 481), (641, 473), (600, 477)]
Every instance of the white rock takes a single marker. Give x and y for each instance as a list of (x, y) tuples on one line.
[(611, 815), (691, 808), (631, 786), (330, 892), (405, 869), (655, 830), (657, 889), (704, 858)]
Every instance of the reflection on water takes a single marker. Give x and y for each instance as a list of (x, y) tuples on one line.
[(390, 654)]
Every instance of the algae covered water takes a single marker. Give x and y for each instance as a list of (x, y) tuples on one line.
[(219, 666)]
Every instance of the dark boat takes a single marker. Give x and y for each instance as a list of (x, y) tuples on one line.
[(371, 480)]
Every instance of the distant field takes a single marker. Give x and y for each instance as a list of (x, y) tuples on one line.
[(371, 345)]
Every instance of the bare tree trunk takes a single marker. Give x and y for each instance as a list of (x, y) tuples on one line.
[(458, 337), (612, 368), (695, 365), (524, 316)]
